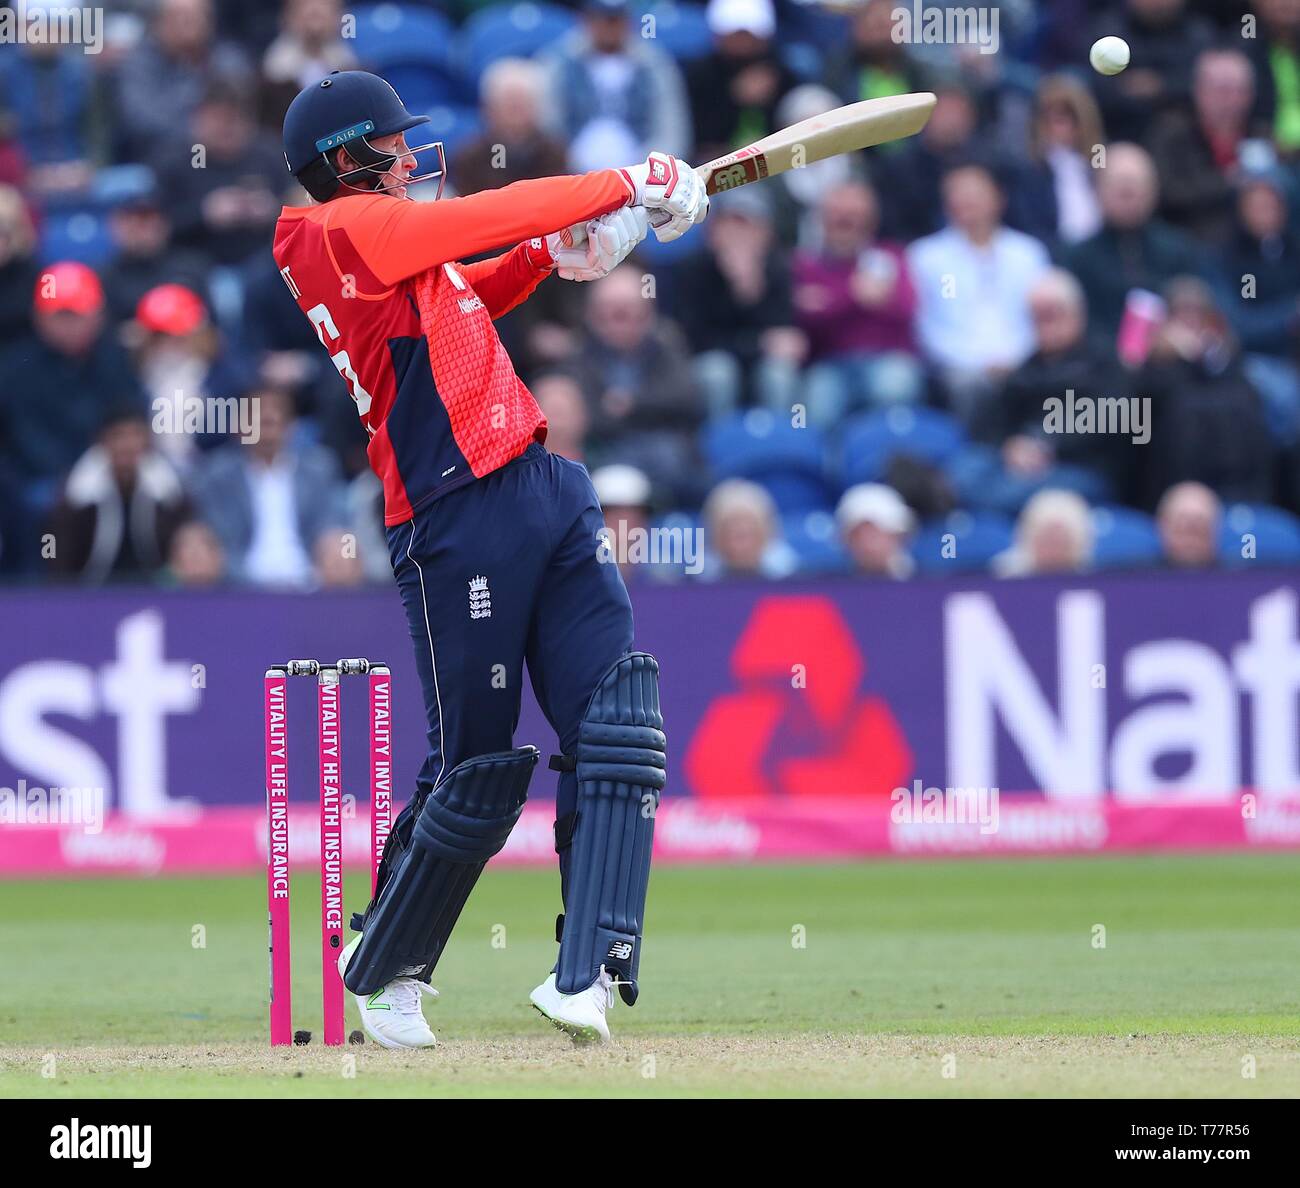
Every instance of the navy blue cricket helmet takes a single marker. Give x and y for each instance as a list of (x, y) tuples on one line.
[(349, 107)]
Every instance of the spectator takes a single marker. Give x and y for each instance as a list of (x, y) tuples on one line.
[(875, 525), (310, 45), (614, 95), (1197, 153), (1276, 56), (1055, 196), (270, 501), (973, 281), (873, 65), (855, 301), (121, 506), (365, 514), (196, 558), (144, 257), (735, 89), (1053, 535), (180, 361), (13, 164), (337, 559), (744, 538), (567, 420), (279, 346), (1187, 519), (1165, 40), (1064, 360), (634, 370), (18, 269), (72, 371), (227, 208), (624, 494), (1207, 419), (910, 180), (797, 193), (1132, 251), (49, 91), (163, 81), (512, 145), (1264, 260), (735, 306)]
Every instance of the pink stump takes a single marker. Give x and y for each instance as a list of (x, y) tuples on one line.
[(331, 853), (275, 707), (381, 767)]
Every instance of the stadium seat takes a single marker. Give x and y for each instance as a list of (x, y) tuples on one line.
[(979, 480), (670, 528), (870, 440), (1276, 536), (402, 34), (76, 233), (422, 87), (681, 30), (451, 124), (658, 255), (815, 537), (977, 537), (1123, 538), (758, 445), (510, 31)]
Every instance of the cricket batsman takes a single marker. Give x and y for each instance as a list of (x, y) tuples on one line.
[(493, 540)]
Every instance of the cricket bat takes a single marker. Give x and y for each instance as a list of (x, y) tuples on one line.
[(843, 130)]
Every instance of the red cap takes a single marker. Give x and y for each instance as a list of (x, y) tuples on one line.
[(68, 285), (171, 309)]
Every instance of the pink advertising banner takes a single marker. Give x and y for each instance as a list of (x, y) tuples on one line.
[(233, 840)]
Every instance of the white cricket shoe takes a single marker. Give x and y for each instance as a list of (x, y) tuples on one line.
[(581, 1015), (391, 1015)]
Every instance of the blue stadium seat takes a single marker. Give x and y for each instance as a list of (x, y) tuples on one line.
[(977, 537), (422, 87), (815, 537), (403, 34), (870, 440), (510, 31), (451, 124), (681, 30), (76, 233), (1276, 535), (659, 255), (979, 481), (1123, 538), (685, 525), (758, 445)]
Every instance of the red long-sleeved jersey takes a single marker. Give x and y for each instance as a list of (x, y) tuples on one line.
[(411, 331)]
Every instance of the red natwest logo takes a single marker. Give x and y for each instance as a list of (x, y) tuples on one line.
[(798, 726)]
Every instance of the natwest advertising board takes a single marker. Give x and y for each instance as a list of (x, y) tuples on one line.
[(1134, 711)]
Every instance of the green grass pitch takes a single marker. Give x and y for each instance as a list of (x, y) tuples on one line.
[(961, 978)]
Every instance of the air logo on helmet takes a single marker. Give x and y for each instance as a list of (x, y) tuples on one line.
[(334, 139)]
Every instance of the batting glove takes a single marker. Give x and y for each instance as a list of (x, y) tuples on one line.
[(591, 250), (671, 192)]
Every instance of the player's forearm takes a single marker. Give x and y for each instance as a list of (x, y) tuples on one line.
[(509, 279), (417, 236)]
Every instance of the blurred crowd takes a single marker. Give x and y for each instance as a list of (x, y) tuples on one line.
[(846, 369)]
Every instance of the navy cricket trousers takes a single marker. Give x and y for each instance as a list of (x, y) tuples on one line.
[(501, 571)]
